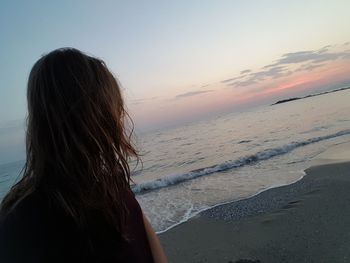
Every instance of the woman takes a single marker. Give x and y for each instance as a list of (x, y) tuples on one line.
[(74, 201)]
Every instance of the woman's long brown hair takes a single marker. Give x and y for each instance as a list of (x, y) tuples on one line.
[(77, 144)]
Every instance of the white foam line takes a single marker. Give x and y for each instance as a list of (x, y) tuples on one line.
[(188, 216), (228, 165)]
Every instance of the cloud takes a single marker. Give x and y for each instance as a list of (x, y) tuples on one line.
[(309, 67), (140, 101), (243, 83), (255, 77), (305, 60), (271, 72), (347, 56), (269, 66), (325, 49), (315, 56), (232, 79), (192, 93), (245, 71)]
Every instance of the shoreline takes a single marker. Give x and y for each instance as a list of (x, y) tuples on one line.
[(243, 199), (339, 153), (232, 231)]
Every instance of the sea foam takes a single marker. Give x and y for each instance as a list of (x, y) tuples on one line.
[(266, 154)]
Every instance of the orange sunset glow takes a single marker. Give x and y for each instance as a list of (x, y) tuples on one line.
[(312, 71)]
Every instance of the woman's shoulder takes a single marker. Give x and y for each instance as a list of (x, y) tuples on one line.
[(19, 229), (23, 209), (35, 231), (23, 218)]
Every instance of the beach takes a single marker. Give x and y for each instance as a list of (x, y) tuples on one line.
[(307, 221)]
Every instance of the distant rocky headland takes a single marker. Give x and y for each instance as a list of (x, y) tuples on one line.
[(308, 96)]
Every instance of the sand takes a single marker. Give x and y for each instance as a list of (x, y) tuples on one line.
[(308, 221)]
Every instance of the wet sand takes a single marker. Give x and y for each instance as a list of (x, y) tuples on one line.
[(308, 221)]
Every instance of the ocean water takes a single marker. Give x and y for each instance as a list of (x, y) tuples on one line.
[(194, 167)]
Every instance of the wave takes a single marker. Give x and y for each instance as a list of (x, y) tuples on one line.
[(266, 154), (244, 141)]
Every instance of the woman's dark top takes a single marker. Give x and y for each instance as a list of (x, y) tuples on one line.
[(36, 232)]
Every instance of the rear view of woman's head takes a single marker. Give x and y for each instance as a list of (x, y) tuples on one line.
[(76, 115), (77, 145)]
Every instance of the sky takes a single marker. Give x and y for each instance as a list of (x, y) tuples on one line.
[(179, 61)]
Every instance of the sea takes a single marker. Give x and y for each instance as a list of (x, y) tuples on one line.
[(194, 167)]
